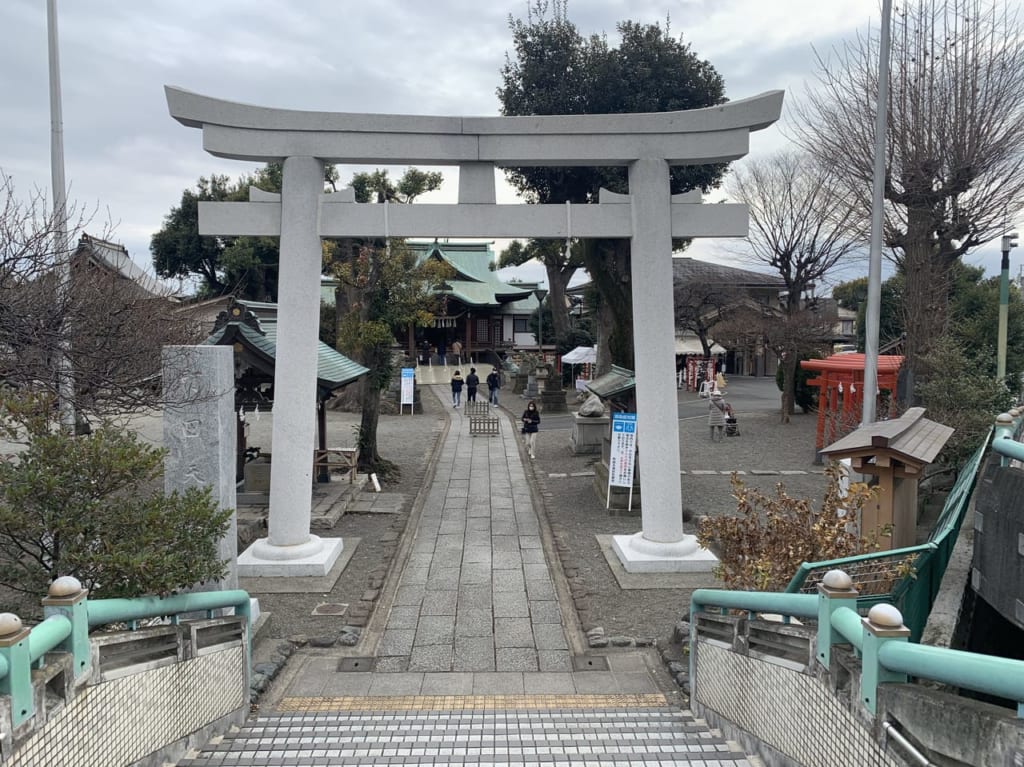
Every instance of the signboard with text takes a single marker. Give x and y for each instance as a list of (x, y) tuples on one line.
[(623, 449), (407, 386)]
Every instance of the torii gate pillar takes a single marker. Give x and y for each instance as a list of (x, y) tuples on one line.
[(289, 548), (661, 545)]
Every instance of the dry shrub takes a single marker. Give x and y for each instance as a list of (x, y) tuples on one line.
[(761, 547)]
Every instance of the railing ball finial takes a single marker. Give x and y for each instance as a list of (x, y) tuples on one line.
[(65, 586), (885, 616), (1004, 419), (838, 580), (9, 624)]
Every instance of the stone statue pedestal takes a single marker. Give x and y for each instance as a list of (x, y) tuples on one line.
[(587, 433)]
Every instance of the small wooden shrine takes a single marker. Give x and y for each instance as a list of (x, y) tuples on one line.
[(895, 452)]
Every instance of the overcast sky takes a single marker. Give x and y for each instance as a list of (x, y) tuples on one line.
[(125, 155)]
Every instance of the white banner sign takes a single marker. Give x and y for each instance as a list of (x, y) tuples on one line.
[(407, 386), (620, 463)]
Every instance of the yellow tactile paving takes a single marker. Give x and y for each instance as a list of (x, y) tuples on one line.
[(466, 702)]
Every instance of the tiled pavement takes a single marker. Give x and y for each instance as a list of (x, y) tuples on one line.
[(474, 664)]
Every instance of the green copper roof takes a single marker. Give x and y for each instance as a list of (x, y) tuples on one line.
[(333, 369), (474, 283)]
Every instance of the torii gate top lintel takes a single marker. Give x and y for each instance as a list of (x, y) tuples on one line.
[(247, 132)]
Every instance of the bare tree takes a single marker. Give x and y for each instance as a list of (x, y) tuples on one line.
[(802, 227), (955, 143), (701, 306), (113, 325)]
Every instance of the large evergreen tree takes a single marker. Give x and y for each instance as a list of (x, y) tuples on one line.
[(556, 70), (243, 266)]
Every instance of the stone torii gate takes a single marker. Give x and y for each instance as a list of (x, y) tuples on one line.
[(647, 144)]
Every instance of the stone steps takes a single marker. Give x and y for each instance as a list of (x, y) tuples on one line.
[(538, 730)]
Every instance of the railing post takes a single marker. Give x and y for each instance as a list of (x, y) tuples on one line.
[(67, 597), (883, 624), (1004, 429), (835, 590), (18, 681)]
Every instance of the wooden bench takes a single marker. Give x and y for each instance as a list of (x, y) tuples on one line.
[(340, 458)]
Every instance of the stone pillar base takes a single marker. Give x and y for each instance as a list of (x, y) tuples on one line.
[(315, 557), (639, 555)]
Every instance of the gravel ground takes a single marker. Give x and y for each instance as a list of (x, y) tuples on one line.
[(577, 515)]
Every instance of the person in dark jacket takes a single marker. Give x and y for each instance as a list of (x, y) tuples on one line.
[(531, 425), (457, 388), (472, 382), (493, 384)]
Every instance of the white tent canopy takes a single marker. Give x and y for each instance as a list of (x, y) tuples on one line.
[(689, 344), (580, 355)]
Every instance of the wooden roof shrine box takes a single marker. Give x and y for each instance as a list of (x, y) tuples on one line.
[(895, 452)]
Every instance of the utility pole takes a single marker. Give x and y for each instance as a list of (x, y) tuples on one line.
[(1009, 241)]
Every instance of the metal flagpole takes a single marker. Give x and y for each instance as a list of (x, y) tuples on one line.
[(870, 391)]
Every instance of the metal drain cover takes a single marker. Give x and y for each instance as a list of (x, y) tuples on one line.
[(330, 608), (589, 663), (356, 664)]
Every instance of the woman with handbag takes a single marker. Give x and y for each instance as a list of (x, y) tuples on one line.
[(531, 425)]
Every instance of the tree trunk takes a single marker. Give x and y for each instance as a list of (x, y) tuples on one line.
[(558, 280), (925, 304), (376, 359), (608, 262), (789, 365)]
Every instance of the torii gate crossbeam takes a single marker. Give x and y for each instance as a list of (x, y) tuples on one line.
[(646, 144)]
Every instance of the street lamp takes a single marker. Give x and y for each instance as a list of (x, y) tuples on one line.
[(540, 293), (1009, 241)]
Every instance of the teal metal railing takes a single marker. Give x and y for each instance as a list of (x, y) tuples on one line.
[(910, 577), (69, 616), (881, 639)]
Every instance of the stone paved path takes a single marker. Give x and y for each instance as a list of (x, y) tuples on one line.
[(478, 661)]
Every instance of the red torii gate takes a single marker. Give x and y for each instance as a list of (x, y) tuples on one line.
[(840, 383)]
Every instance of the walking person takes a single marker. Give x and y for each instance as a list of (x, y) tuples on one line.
[(472, 382), (717, 410), (531, 425), (493, 384), (457, 351), (457, 389)]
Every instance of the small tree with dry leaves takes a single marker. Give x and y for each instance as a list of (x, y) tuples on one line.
[(762, 546)]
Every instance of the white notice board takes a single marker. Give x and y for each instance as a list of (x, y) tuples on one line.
[(623, 450), (407, 388)]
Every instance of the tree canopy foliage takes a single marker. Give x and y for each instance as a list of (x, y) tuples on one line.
[(243, 266), (554, 69)]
